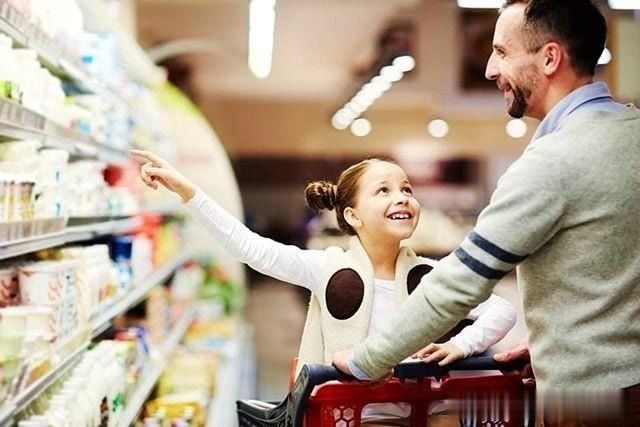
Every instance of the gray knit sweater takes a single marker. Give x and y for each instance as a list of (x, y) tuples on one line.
[(568, 212)]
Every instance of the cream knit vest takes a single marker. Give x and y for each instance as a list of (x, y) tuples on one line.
[(324, 334)]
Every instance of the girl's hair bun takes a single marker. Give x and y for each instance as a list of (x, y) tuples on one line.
[(321, 195)]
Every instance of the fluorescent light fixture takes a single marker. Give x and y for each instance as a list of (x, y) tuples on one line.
[(481, 4), (262, 19), (363, 99), (605, 58), (391, 73), (338, 122), (624, 4), (438, 128), (381, 84), (361, 127), (404, 63), (346, 115), (370, 91), (516, 128)]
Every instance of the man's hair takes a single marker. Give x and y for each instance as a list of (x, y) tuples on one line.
[(577, 24)]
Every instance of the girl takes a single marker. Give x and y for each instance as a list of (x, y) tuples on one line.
[(355, 291)]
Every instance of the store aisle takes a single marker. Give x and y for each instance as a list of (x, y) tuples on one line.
[(277, 313)]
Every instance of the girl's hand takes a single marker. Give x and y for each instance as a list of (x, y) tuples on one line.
[(444, 353), (157, 169)]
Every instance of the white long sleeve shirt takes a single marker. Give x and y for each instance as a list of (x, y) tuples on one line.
[(493, 318)]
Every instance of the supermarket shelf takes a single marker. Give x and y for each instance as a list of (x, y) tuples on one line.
[(50, 53), (18, 403), (19, 122), (146, 385), (70, 235), (91, 231), (139, 292), (14, 248), (134, 59), (8, 410), (68, 65)]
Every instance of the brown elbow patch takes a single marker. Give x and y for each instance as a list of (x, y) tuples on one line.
[(415, 275), (344, 293)]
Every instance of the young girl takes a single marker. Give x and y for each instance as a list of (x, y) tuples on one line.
[(355, 291)]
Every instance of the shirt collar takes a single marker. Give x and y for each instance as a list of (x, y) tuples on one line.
[(591, 93)]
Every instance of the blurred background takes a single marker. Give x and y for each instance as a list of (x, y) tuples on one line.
[(442, 121)]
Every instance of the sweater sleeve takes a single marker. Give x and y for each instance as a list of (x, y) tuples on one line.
[(525, 211), (283, 262), (493, 319)]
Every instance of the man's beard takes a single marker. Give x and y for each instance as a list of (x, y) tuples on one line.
[(522, 92), (519, 104)]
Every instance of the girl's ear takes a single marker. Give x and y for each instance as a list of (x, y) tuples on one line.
[(352, 218)]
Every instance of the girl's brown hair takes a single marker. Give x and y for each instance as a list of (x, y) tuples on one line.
[(325, 195)]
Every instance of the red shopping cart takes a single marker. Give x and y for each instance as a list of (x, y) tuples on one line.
[(322, 396)]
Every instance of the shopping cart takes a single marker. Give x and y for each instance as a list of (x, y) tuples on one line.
[(322, 396)]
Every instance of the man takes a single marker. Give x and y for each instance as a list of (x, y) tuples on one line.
[(567, 213)]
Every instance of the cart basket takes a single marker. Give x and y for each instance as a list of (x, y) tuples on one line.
[(291, 411)]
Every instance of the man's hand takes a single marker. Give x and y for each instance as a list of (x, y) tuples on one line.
[(442, 353), (341, 360), (519, 352)]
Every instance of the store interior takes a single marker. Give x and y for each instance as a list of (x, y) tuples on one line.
[(117, 307)]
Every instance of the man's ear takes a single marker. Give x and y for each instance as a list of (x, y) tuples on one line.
[(554, 56), (352, 218)]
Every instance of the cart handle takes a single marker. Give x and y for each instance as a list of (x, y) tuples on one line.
[(420, 369)]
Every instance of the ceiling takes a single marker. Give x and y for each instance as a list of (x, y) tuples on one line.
[(319, 46), (318, 43)]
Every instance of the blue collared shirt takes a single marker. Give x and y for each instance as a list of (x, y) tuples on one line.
[(593, 96)]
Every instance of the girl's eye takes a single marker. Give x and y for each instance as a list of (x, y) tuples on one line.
[(382, 190), (408, 190)]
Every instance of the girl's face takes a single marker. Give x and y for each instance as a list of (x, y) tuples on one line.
[(385, 207)]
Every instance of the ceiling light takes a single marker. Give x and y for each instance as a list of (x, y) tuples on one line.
[(605, 58), (481, 4), (392, 69), (404, 63), (338, 122), (391, 73), (438, 128), (381, 84), (355, 106), (516, 128), (361, 127), (346, 115), (624, 4), (262, 18), (370, 90), (364, 100)]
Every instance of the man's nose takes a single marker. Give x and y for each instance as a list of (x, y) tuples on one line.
[(492, 72)]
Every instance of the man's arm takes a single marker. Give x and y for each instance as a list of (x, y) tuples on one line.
[(525, 211)]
